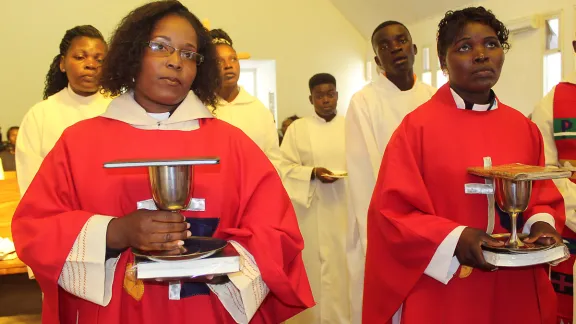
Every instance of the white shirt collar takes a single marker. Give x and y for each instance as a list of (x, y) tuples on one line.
[(125, 109), (318, 118), (461, 104), (243, 97), (382, 81), (81, 100)]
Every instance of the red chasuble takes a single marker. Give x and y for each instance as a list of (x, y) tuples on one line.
[(244, 194), (419, 199)]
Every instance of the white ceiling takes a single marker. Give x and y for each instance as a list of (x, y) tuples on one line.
[(365, 15)]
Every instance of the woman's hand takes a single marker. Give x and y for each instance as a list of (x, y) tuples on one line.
[(543, 233), (149, 230), (469, 250)]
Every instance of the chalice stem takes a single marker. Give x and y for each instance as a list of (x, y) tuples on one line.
[(513, 241)]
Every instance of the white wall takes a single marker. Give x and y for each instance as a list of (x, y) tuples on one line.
[(303, 36), (521, 82)]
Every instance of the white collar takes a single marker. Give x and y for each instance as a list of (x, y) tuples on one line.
[(322, 120), (78, 99), (125, 109), (243, 97), (461, 104), (383, 81)]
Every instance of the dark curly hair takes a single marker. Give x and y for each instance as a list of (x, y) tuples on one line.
[(454, 22), (128, 43), (57, 80), (221, 34)]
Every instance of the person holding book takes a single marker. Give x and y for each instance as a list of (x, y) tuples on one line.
[(423, 228), (78, 223)]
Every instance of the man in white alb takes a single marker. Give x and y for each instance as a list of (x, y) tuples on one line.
[(374, 114)]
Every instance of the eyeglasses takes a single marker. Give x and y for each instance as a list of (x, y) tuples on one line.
[(167, 50)]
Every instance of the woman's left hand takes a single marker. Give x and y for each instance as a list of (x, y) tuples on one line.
[(543, 233)]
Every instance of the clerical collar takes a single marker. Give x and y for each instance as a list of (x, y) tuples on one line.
[(462, 104), (160, 116)]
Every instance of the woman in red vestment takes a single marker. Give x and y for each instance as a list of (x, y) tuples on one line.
[(423, 226), (77, 221)]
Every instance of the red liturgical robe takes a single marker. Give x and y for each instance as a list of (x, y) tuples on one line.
[(243, 196), (419, 200)]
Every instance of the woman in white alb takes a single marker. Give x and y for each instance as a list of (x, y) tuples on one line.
[(238, 107), (71, 95)]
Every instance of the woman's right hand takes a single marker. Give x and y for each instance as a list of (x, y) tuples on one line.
[(469, 248), (148, 230)]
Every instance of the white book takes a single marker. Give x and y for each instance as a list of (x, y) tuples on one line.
[(552, 255), (221, 263)]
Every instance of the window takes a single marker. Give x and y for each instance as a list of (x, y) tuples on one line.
[(441, 79), (553, 55), (426, 73), (247, 80)]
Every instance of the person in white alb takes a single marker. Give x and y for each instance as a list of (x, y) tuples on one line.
[(71, 95), (313, 149), (373, 115), (238, 107)]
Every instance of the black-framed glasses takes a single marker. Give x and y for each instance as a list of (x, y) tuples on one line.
[(167, 50)]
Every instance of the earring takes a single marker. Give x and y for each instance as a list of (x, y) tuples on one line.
[(445, 72)]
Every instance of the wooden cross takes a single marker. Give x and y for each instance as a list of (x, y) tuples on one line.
[(241, 55)]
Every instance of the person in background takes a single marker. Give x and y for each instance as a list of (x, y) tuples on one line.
[(71, 94), (8, 154), (556, 119), (314, 150), (422, 224), (238, 107), (287, 122), (78, 222), (372, 117)]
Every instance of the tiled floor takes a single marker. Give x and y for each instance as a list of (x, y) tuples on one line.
[(20, 300)]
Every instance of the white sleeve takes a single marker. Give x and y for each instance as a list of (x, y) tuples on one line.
[(28, 149), (86, 273), (541, 217), (444, 264), (245, 292), (363, 163), (297, 176), (270, 144), (543, 117)]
